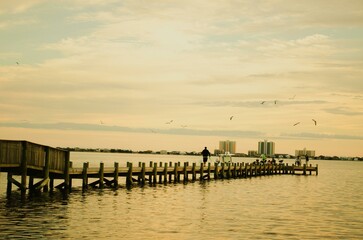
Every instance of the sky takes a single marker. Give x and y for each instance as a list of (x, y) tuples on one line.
[(169, 75)]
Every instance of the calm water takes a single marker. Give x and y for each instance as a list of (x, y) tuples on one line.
[(328, 206)]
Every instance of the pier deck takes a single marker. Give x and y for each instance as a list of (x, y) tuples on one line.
[(33, 161)]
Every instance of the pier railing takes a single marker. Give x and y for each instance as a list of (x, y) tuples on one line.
[(16, 153), (30, 160)]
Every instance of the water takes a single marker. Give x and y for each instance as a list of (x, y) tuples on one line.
[(327, 206)]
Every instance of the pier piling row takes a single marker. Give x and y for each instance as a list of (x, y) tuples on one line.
[(33, 161)]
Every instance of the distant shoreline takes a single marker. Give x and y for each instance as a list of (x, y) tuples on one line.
[(242, 155)]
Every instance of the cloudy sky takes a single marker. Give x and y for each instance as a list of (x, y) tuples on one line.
[(98, 73)]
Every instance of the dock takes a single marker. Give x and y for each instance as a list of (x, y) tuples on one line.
[(38, 166)]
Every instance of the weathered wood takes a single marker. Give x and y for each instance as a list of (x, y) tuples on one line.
[(9, 183), (143, 173), (85, 176), (165, 173), (101, 174), (155, 172), (185, 179), (23, 167), (201, 172), (161, 175), (150, 175), (46, 168), (216, 171), (176, 173), (66, 172), (129, 181), (208, 171), (194, 175)]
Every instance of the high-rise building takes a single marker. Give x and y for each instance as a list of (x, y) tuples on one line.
[(267, 148), (227, 146), (304, 152)]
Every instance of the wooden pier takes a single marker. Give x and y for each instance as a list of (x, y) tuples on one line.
[(34, 162)]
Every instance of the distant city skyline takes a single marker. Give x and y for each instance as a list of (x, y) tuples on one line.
[(182, 75)]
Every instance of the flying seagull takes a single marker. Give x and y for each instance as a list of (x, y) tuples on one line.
[(296, 123), (231, 117), (314, 121), (169, 122), (263, 102), (275, 101)]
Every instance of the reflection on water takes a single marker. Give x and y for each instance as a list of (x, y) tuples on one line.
[(268, 207)]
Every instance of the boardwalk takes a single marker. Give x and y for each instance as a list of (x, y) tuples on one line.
[(33, 162)]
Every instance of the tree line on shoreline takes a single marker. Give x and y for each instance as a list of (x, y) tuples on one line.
[(116, 150)]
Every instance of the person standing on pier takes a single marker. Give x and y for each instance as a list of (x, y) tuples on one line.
[(307, 159), (205, 154)]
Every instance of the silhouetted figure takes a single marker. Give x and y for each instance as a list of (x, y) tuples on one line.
[(307, 159), (205, 154)]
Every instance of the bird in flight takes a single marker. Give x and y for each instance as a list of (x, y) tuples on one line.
[(275, 101), (169, 122), (296, 123), (231, 118), (314, 121), (17, 63), (263, 102)]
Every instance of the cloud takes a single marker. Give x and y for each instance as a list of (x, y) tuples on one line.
[(100, 127), (320, 136), (343, 111), (17, 6)]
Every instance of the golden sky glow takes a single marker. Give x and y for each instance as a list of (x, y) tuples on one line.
[(113, 73)]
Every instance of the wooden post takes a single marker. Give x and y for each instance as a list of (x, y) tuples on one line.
[(101, 174), (115, 175), (316, 171), (215, 170), (185, 172), (293, 169), (70, 177), (139, 175), (170, 165), (150, 175), (235, 170), (228, 170), (129, 176), (176, 178), (194, 175), (51, 183), (66, 172), (304, 169), (222, 171), (201, 172), (8, 189), (246, 171), (31, 183), (85, 176), (155, 172), (241, 170), (208, 170), (165, 173), (179, 164), (160, 175), (23, 166), (46, 169)]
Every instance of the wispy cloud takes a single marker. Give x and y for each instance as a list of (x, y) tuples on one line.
[(344, 111)]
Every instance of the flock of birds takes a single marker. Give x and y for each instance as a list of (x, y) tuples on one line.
[(275, 102), (230, 118)]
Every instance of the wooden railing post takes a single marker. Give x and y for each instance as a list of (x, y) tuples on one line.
[(66, 172), (85, 176), (23, 167), (46, 168), (129, 176), (101, 174)]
